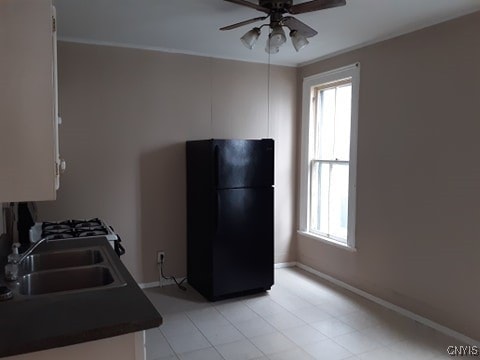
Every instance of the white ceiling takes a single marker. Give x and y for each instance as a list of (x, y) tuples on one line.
[(191, 26)]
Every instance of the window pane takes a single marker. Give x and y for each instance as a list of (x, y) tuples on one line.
[(338, 217), (329, 199), (342, 122), (325, 123), (314, 196), (320, 197)]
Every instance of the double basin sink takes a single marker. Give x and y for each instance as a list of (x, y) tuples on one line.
[(66, 271)]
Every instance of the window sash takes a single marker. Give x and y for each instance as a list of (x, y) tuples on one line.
[(332, 84), (326, 145), (321, 213)]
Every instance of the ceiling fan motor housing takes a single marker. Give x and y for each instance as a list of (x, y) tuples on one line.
[(281, 5)]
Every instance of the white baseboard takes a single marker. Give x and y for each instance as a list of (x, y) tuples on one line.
[(284, 265), (157, 283), (171, 282), (443, 329)]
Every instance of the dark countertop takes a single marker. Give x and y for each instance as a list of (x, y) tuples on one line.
[(47, 321)]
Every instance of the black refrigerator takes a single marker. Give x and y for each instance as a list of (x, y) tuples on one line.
[(230, 216)]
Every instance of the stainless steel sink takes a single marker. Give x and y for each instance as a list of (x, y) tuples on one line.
[(78, 269), (47, 282), (61, 259)]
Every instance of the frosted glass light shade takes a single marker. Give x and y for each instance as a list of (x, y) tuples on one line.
[(277, 37), (250, 38), (298, 40), (271, 49)]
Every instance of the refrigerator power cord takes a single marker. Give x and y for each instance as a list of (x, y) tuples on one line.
[(162, 276)]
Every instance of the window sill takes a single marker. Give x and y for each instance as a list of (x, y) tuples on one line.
[(327, 241)]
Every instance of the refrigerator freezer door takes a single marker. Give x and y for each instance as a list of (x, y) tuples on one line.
[(243, 163), (243, 245)]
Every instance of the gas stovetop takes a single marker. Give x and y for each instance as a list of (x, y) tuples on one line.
[(71, 229), (76, 229)]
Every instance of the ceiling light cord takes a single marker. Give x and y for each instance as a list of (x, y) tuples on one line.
[(268, 95), (211, 98)]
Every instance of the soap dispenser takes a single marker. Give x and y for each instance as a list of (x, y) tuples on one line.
[(14, 256)]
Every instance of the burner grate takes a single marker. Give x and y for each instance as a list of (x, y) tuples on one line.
[(73, 229)]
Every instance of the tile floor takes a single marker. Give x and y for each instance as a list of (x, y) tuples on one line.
[(302, 317)]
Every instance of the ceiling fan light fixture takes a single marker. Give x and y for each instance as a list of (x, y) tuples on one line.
[(277, 37), (250, 38), (271, 49), (298, 40)]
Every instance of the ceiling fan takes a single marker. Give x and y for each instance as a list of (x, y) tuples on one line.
[(276, 10)]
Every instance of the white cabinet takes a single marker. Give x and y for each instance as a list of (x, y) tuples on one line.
[(28, 103), (124, 347)]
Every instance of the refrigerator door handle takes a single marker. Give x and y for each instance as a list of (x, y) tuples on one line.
[(215, 165), (216, 212)]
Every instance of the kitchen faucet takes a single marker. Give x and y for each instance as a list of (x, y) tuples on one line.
[(14, 259)]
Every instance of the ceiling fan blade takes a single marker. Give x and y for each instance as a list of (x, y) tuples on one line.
[(302, 28), (242, 23), (250, 5), (314, 5)]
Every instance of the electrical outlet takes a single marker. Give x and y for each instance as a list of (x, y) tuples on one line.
[(160, 257)]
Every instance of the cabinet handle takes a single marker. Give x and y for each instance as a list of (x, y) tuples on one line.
[(62, 166)]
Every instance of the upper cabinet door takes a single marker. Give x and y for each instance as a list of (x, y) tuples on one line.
[(28, 148)]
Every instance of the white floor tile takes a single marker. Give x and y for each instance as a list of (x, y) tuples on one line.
[(239, 350), (255, 327), (264, 306), (357, 342), (359, 320), (289, 301), (156, 345), (170, 357), (188, 342), (272, 343), (222, 334), (303, 335), (339, 308), (203, 354), (332, 327), (414, 349), (311, 314), (170, 299), (295, 354), (384, 335), (284, 320), (177, 324), (383, 353), (207, 314), (236, 311), (327, 350)]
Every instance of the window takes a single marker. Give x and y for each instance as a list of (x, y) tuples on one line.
[(329, 146)]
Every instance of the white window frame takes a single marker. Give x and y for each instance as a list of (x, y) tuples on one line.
[(307, 151)]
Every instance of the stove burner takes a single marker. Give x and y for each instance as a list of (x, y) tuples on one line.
[(59, 236), (88, 224), (55, 227), (93, 233)]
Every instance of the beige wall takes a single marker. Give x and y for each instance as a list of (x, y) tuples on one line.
[(418, 195), (127, 114)]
